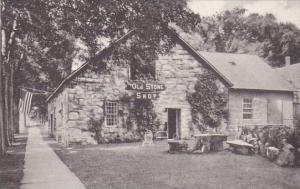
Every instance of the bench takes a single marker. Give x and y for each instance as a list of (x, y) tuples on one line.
[(161, 135), (240, 147)]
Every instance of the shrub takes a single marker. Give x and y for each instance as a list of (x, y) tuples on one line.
[(95, 126), (274, 135), (209, 104), (145, 116)]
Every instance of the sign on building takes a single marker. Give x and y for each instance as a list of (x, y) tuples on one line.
[(147, 95), (145, 90), (145, 86)]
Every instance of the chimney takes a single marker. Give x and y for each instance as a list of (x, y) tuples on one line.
[(287, 60)]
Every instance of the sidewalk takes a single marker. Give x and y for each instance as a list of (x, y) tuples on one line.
[(43, 169)]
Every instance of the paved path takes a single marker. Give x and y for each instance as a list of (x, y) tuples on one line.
[(43, 168)]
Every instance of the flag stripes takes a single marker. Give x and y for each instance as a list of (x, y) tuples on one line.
[(28, 99), (25, 102)]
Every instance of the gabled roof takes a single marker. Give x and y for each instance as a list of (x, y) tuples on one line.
[(107, 51), (291, 73), (246, 71), (239, 71)]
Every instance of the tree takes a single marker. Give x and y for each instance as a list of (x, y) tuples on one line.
[(39, 38), (16, 32), (2, 141), (235, 32)]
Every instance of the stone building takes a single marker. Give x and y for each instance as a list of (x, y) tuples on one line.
[(291, 73), (257, 95)]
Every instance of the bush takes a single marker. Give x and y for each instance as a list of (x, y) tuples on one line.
[(273, 135), (209, 103), (95, 126)]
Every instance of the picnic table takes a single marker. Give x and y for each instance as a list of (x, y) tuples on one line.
[(240, 146), (209, 142)]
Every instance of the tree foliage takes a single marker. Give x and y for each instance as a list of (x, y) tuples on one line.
[(235, 31), (39, 37)]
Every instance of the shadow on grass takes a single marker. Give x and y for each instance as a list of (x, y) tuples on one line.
[(12, 164)]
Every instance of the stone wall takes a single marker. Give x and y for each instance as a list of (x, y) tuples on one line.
[(178, 71), (58, 108), (86, 94), (262, 112)]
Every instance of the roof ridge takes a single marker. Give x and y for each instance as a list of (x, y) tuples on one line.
[(228, 53)]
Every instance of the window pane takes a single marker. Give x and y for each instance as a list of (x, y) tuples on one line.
[(247, 105), (247, 116), (111, 110), (247, 108)]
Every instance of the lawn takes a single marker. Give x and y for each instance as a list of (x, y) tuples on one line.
[(131, 166), (11, 165)]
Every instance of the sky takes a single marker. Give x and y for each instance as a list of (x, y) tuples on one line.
[(283, 10)]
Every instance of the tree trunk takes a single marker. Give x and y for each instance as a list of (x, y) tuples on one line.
[(16, 118), (11, 96), (7, 111), (2, 141), (2, 135), (9, 69)]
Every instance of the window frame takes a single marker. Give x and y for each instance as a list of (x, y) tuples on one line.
[(247, 108), (130, 76), (111, 115)]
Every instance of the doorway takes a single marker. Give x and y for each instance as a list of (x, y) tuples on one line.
[(51, 125), (173, 123)]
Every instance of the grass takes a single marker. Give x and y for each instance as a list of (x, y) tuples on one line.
[(11, 165), (130, 166)]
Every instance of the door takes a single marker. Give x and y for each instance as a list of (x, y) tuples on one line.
[(297, 114), (274, 112), (173, 123), (51, 125)]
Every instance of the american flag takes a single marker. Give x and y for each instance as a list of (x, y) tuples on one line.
[(25, 101)]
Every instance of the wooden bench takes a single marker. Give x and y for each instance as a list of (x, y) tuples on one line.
[(240, 147), (161, 135)]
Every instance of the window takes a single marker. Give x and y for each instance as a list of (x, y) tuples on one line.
[(142, 69), (111, 113), (247, 108)]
